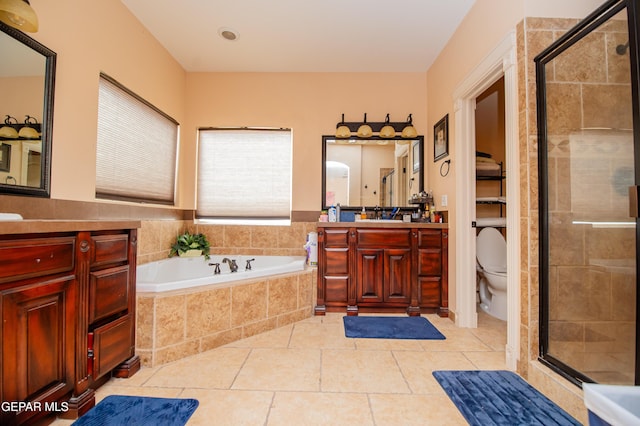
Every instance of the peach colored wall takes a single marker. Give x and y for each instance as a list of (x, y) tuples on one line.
[(90, 37), (309, 103), (21, 96)]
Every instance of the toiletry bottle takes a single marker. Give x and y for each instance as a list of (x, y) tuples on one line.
[(338, 212), (363, 215), (332, 214)]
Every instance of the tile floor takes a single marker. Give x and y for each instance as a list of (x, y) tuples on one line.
[(309, 373)]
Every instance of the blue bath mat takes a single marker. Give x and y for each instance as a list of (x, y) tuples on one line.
[(118, 410), (390, 328), (500, 398)]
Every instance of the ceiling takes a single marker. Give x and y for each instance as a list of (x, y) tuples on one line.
[(302, 35)]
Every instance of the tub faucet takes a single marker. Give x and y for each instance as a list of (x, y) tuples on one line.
[(248, 265), (216, 271), (232, 264)]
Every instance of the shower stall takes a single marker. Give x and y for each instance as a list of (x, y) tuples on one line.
[(589, 135)]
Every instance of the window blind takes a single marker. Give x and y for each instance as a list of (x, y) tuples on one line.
[(244, 174), (136, 147)]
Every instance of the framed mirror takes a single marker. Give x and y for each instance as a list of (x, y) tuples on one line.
[(27, 78), (371, 172)]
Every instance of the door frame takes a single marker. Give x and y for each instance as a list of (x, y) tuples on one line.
[(501, 62)]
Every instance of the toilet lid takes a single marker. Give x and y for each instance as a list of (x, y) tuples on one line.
[(491, 249)]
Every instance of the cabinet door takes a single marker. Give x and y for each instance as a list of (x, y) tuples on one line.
[(37, 343), (370, 275), (397, 275)]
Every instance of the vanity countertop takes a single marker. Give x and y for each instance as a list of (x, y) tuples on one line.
[(40, 226), (382, 224)]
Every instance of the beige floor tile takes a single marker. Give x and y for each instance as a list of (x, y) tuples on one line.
[(314, 408), (394, 410), (388, 344), (309, 373), (280, 369), (487, 360), (322, 336), (417, 368), (229, 407), (214, 369), (457, 339), (361, 371), (277, 338), (116, 389)]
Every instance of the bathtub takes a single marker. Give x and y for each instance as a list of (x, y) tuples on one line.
[(186, 272)]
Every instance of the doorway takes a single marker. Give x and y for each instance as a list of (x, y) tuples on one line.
[(491, 177), (500, 63)]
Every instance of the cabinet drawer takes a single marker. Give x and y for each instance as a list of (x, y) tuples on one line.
[(336, 262), (109, 249), (430, 238), (336, 290), (384, 238), (429, 262), (35, 257), (112, 345), (429, 292), (336, 237), (108, 292)]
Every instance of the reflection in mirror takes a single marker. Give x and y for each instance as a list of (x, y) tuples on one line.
[(371, 172), (27, 87)]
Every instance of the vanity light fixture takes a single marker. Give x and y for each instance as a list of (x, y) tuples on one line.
[(27, 131), (387, 130), (409, 131), (365, 131), (342, 131), (19, 14), (227, 33), (7, 131), (383, 130)]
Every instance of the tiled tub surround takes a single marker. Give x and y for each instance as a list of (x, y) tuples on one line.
[(180, 323), (176, 324)]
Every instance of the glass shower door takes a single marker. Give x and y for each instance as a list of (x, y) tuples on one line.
[(588, 239)]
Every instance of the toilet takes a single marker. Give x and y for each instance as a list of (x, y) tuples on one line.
[(491, 255)]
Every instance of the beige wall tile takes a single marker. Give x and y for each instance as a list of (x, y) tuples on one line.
[(170, 320), (208, 312), (248, 303)]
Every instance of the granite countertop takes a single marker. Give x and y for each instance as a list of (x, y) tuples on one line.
[(382, 224), (40, 226)]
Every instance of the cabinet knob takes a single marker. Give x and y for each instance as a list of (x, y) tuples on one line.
[(84, 246), (38, 260)]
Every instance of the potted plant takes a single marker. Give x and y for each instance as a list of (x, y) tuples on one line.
[(190, 245)]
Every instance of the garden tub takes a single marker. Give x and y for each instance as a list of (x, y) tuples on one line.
[(186, 272)]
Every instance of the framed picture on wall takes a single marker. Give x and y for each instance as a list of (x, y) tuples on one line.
[(415, 151), (5, 157), (441, 138)]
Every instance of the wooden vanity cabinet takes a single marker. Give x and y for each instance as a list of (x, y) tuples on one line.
[(379, 269), (67, 302), (383, 267)]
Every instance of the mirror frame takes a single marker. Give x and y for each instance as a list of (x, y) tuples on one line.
[(47, 116), (418, 138)]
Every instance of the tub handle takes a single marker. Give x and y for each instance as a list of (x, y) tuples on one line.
[(248, 266), (217, 270)]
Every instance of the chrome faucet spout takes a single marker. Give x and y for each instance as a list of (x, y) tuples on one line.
[(232, 264)]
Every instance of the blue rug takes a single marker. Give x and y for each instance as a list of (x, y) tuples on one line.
[(488, 398), (120, 410), (390, 328)]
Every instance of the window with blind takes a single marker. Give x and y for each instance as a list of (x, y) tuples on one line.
[(137, 147), (244, 175)]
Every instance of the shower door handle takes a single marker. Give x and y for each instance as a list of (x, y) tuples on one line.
[(634, 192)]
